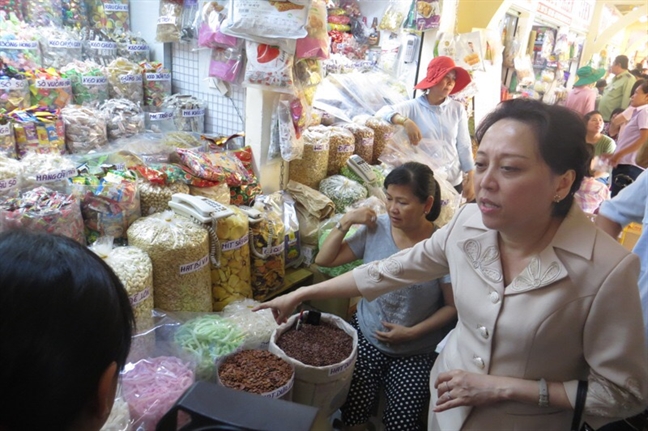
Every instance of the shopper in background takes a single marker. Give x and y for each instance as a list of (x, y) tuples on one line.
[(398, 332), (436, 116), (544, 298), (606, 128), (631, 138), (600, 144), (591, 193), (582, 98), (618, 92), (65, 332), (600, 86)]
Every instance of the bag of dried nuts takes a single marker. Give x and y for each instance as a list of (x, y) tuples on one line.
[(179, 250), (157, 184), (231, 281), (312, 167), (134, 269), (364, 140), (341, 147), (267, 247), (383, 132)]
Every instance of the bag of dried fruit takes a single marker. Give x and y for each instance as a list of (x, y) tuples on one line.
[(267, 247)]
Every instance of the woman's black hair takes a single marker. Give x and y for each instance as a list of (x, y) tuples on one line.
[(590, 114), (420, 179), (560, 134), (639, 83), (65, 318)]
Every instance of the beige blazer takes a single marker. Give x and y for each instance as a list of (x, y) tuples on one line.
[(573, 313)]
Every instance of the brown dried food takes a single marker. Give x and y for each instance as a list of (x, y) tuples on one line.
[(255, 371), (316, 345)]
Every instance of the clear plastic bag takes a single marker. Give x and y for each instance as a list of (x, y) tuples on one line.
[(188, 112), (268, 67), (10, 177), (342, 191), (267, 245), (98, 46), (43, 134), (316, 43), (132, 47), (169, 22), (209, 34), (226, 64), (261, 19), (312, 167), (125, 80), (111, 15), (291, 226), (283, 135), (157, 84), (89, 84), (7, 139), (123, 117), (59, 46), (324, 230), (85, 129)]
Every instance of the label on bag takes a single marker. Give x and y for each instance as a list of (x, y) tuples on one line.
[(194, 266), (94, 80), (271, 251), (158, 77), (59, 43), (126, 79), (136, 47), (8, 183), (18, 44), (5, 130), (115, 7), (53, 83), (235, 244), (159, 116), (193, 112), (99, 44), (140, 296), (56, 175), (13, 84)]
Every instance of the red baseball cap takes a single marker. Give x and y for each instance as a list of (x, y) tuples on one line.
[(438, 68)]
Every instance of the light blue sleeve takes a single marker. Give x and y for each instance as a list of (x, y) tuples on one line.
[(464, 144), (357, 241), (630, 205)]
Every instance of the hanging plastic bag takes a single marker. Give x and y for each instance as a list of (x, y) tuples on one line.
[(469, 51), (284, 135), (262, 19), (226, 64), (316, 43), (268, 67), (169, 22), (209, 35), (291, 226), (267, 245)]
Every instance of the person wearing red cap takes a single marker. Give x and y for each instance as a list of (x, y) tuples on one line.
[(437, 117)]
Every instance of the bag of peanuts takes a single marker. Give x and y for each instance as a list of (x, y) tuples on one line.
[(267, 247), (157, 186), (313, 165), (231, 280), (341, 147), (364, 140), (383, 132), (179, 250), (134, 269)]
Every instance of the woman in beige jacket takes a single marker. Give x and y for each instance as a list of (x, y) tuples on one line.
[(544, 298)]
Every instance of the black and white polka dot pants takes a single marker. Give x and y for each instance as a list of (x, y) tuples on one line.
[(406, 381)]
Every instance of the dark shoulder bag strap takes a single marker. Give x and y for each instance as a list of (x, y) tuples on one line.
[(581, 395)]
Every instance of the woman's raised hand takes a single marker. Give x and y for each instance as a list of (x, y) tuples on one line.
[(362, 215)]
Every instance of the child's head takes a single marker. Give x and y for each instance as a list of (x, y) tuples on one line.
[(615, 112), (65, 331)]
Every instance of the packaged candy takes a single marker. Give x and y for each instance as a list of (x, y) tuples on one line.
[(157, 84), (48, 88), (49, 170), (98, 46), (188, 29), (109, 204), (188, 112), (209, 34), (59, 46), (160, 122), (38, 130), (40, 13), (12, 7), (19, 45), (125, 80), (89, 84), (169, 23), (85, 129), (10, 177), (123, 118), (43, 210), (75, 14), (7, 139), (14, 89), (131, 46), (111, 15)]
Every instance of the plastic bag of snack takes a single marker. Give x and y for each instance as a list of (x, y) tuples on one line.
[(156, 83), (188, 112), (284, 139), (312, 167), (38, 130), (75, 14), (291, 225), (158, 185), (10, 177), (267, 236), (262, 19), (7, 138), (218, 167), (85, 129), (189, 20), (226, 64), (42, 209), (131, 46), (109, 204), (98, 46), (268, 67), (393, 16), (342, 191), (469, 51), (169, 22), (123, 118), (231, 280), (316, 43), (212, 13), (43, 13), (428, 14), (111, 15), (48, 88), (89, 84), (341, 147), (160, 122), (20, 47), (59, 46), (125, 80), (14, 89)]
